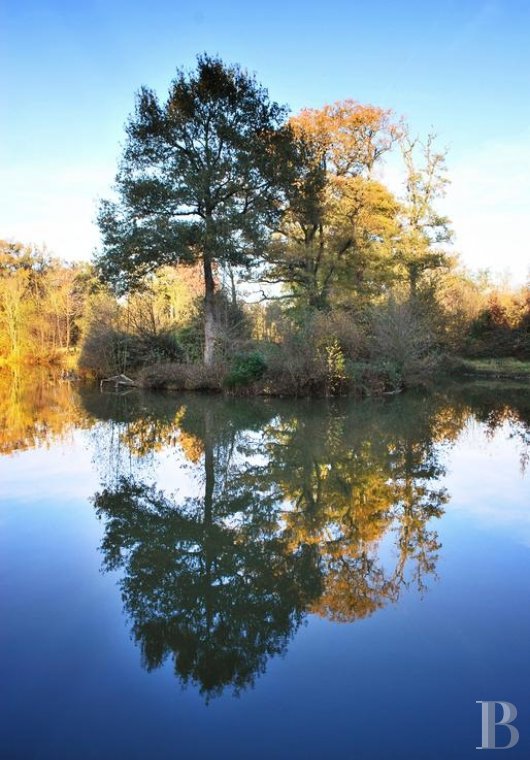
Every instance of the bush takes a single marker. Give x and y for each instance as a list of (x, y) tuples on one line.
[(107, 350), (180, 377), (246, 370), (311, 354), (104, 351), (403, 344), (191, 340)]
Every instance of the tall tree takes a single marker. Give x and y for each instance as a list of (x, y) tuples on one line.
[(194, 182), (424, 231)]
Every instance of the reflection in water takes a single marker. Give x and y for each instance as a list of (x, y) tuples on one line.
[(303, 508), (294, 508), (35, 409), (221, 598)]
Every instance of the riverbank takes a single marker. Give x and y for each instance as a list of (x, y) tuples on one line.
[(359, 379), (250, 377), (506, 368)]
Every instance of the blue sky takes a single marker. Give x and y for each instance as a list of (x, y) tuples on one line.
[(69, 72)]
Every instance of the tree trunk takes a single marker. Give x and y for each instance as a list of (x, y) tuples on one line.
[(208, 540), (232, 285), (210, 323)]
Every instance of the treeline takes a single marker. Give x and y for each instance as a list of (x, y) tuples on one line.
[(42, 302), (57, 313), (282, 347)]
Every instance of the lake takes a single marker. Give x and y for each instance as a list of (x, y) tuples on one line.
[(190, 576)]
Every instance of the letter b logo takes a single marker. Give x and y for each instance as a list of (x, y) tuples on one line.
[(489, 724)]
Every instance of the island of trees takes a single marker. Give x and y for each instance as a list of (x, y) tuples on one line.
[(254, 251)]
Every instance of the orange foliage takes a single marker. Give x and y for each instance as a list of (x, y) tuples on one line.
[(349, 136)]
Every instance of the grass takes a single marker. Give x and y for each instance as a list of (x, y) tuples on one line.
[(504, 368)]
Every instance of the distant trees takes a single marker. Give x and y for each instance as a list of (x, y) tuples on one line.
[(41, 300), (159, 322)]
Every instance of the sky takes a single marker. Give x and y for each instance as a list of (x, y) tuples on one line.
[(69, 72)]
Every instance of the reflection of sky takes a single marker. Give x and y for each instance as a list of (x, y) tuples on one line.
[(373, 689), (485, 478), (487, 484), (57, 470)]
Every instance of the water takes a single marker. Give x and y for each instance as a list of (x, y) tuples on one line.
[(189, 576)]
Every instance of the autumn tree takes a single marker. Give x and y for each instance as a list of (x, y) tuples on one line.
[(22, 296), (65, 294), (14, 312), (335, 232), (194, 182), (41, 301)]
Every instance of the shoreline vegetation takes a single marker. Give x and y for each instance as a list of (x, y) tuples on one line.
[(366, 381), (253, 252)]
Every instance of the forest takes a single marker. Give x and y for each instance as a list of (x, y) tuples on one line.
[(253, 251)]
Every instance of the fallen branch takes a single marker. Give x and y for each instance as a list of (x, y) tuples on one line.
[(117, 380)]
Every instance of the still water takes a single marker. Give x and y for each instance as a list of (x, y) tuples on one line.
[(186, 576)]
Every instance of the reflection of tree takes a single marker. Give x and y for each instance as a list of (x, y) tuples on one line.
[(209, 580), (496, 405), (295, 510), (35, 410), (349, 479), (220, 599)]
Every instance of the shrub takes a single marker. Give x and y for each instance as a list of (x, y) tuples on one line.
[(180, 377), (191, 340), (108, 350), (313, 353), (246, 369), (104, 351), (403, 343)]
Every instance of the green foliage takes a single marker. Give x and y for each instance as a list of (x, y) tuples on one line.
[(196, 181), (192, 178), (506, 368), (190, 339), (246, 369)]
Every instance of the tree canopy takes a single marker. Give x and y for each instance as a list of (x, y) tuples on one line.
[(195, 180)]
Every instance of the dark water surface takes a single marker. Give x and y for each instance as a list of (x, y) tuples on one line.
[(195, 577)]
